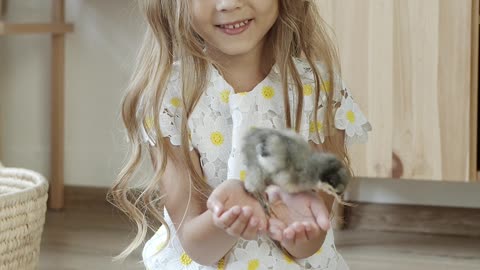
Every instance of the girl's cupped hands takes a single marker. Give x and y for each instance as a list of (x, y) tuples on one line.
[(236, 212), (298, 218)]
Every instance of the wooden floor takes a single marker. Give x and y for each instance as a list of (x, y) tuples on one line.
[(79, 239)]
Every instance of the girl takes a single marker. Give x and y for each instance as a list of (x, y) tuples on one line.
[(209, 70)]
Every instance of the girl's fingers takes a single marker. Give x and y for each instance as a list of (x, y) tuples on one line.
[(275, 229), (240, 224), (276, 234), (312, 230), (288, 237), (300, 233), (251, 231), (227, 218), (320, 214), (258, 212)]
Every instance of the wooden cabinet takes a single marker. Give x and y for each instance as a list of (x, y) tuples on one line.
[(412, 67)]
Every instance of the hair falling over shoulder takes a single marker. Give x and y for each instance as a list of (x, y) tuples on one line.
[(298, 32)]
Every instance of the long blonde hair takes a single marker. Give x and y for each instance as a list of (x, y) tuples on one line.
[(298, 32)]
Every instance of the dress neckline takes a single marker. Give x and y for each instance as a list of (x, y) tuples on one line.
[(265, 81)]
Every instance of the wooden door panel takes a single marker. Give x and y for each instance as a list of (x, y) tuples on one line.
[(407, 63)]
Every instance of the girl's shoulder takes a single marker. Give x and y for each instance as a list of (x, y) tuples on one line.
[(347, 116), (306, 71), (308, 77)]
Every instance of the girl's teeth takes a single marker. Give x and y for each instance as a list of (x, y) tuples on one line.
[(238, 25)]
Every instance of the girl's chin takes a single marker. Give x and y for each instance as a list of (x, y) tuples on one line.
[(236, 49)]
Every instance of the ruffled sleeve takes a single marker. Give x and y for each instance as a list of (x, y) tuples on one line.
[(350, 118), (170, 117), (347, 113)]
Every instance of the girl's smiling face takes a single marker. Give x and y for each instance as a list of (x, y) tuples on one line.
[(234, 27)]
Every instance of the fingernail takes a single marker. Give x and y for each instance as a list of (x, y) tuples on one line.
[(289, 235), (216, 209)]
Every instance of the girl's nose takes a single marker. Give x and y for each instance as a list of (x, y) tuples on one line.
[(229, 5)]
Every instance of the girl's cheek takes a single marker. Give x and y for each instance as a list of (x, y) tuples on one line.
[(200, 16)]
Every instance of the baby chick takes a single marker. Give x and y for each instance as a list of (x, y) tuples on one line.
[(285, 159)]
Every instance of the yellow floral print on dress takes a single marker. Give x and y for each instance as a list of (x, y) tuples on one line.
[(349, 118), (225, 96), (176, 102), (253, 257), (253, 264), (268, 92), (217, 138), (269, 99), (185, 259), (312, 129), (307, 90), (243, 175), (326, 86), (221, 264), (149, 122)]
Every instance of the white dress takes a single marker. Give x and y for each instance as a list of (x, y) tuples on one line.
[(216, 125)]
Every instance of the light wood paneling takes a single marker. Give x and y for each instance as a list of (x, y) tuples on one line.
[(408, 64)]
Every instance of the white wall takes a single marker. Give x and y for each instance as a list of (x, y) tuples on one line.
[(99, 55)]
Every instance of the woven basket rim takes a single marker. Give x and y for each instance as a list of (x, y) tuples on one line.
[(23, 211), (40, 181)]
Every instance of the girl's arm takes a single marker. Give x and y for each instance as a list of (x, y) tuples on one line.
[(201, 239)]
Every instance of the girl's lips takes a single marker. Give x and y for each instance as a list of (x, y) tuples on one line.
[(235, 28)]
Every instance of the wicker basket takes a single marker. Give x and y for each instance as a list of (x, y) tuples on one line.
[(23, 197)]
